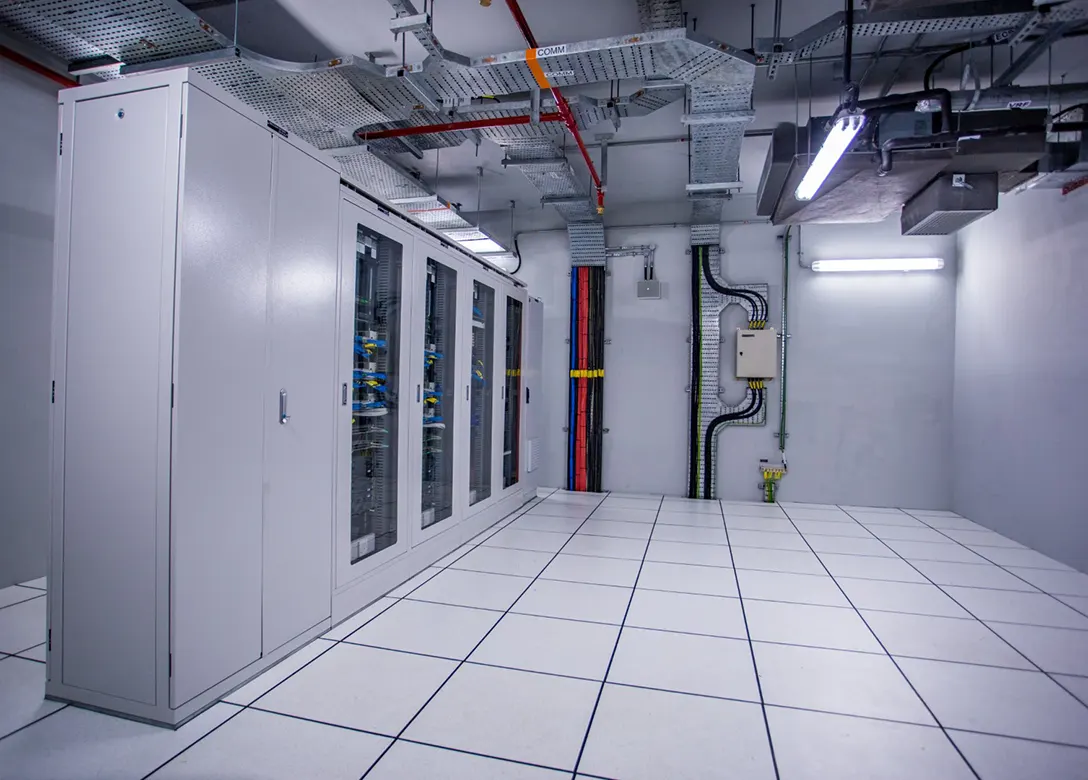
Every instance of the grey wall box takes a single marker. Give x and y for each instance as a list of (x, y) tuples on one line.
[(209, 511)]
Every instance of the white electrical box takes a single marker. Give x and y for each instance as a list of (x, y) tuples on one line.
[(757, 354)]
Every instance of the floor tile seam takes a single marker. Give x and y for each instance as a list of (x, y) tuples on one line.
[(31, 587), (990, 628), (198, 740), (902, 673), (462, 555), (441, 685), (615, 647), (38, 594), (25, 726), (752, 650)]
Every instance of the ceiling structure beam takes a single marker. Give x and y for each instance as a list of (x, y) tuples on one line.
[(1033, 53)]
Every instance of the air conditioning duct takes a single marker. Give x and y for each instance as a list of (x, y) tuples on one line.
[(948, 203)]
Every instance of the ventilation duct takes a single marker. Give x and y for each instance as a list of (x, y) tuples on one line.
[(948, 203)]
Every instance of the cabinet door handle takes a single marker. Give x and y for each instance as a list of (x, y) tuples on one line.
[(417, 393), (344, 394), (284, 416), (466, 392), (526, 395)]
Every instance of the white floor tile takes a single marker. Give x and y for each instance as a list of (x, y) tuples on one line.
[(886, 519), (38, 583), (1060, 583), (818, 745), (431, 629), (1002, 758), (539, 541), (1079, 603), (555, 525), (360, 687), (597, 571), (795, 588), (972, 576), (472, 589), (575, 601), (775, 524), (695, 554), (77, 743), (500, 560), (1008, 702), (848, 545), (690, 534), (918, 598), (768, 511), (454, 556), (22, 625), (260, 744), (409, 761), (549, 645), (689, 519), (643, 503), (606, 547), (792, 561), (868, 568), (836, 628), (338, 632), (516, 715), (818, 513), (882, 510), (692, 506), (1059, 650), (935, 551), (950, 523), (1021, 556), (981, 538), (407, 587), (263, 683), (36, 653), (22, 691), (683, 578), (832, 528), (1003, 606), (618, 528), (711, 615), (907, 534), (685, 663), (625, 514), (933, 513), (549, 509), (837, 681), (1078, 686), (943, 639), (641, 734), (16, 594), (769, 540)]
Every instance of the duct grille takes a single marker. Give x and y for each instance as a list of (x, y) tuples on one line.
[(586, 243), (944, 223)]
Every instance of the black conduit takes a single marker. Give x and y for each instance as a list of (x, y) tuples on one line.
[(760, 311), (751, 410), (696, 371)]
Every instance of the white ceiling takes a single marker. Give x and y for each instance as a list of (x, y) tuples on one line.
[(638, 175)]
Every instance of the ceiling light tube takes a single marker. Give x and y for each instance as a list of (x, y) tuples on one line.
[(891, 264), (840, 138)]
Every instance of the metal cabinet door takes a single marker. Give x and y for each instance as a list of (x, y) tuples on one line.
[(300, 396), (533, 427), (373, 355), (480, 353), (219, 365), (511, 364)]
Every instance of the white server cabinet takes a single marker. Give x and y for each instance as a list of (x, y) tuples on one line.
[(532, 446), (511, 463), (194, 379)]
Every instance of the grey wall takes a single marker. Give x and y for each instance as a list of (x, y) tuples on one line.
[(870, 379), (28, 127), (1021, 418)]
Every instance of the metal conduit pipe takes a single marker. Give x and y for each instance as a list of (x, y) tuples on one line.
[(911, 99)]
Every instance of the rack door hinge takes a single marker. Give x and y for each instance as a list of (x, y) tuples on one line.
[(181, 128), (53, 393), (49, 639), (60, 145)]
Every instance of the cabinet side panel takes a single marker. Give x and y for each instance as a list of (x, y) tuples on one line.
[(216, 501), (299, 454), (114, 391)]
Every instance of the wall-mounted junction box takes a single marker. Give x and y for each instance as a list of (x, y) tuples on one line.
[(649, 289), (757, 354)]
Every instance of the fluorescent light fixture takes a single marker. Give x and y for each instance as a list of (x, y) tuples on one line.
[(481, 246), (835, 145), (893, 264)]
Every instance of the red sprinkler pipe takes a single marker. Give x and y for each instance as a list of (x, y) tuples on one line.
[(362, 136), (560, 101)]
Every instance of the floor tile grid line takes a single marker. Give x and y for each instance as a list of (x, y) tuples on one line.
[(891, 658), (1006, 568), (615, 646), (506, 612), (880, 653), (495, 528), (32, 587), (990, 628), (25, 726), (751, 649), (35, 593), (331, 644)]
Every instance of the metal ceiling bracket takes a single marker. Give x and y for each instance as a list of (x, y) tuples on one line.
[(409, 24), (534, 106), (93, 65), (515, 162), (562, 200), (709, 188)]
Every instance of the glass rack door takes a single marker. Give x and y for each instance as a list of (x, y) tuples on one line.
[(481, 393), (512, 410), (439, 366), (374, 393)]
